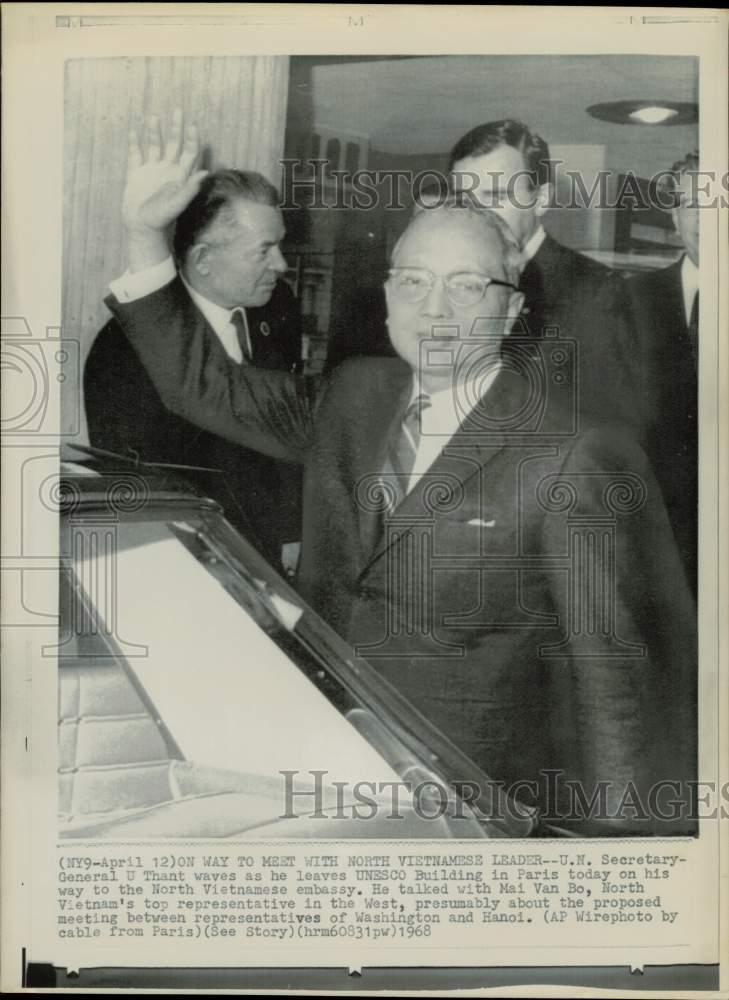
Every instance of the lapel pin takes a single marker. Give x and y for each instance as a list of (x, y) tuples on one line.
[(265, 328)]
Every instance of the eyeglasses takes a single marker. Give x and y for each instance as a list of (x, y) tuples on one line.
[(464, 288)]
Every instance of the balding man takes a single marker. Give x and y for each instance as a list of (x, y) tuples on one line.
[(515, 580)]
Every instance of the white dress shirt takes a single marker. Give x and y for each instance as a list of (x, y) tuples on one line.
[(533, 244), (132, 286), (690, 285), (440, 421)]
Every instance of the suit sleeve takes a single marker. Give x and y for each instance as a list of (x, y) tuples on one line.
[(110, 418), (625, 690), (268, 411)]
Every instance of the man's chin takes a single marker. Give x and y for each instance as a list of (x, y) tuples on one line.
[(263, 294)]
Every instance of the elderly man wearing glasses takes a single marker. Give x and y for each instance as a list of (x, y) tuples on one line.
[(512, 575)]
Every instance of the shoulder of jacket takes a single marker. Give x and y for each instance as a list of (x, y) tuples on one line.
[(109, 339), (610, 446), (574, 262), (370, 370)]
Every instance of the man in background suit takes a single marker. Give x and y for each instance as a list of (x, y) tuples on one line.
[(664, 307), (227, 263), (505, 166), (438, 442)]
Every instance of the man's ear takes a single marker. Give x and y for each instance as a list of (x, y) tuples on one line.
[(198, 259), (544, 199)]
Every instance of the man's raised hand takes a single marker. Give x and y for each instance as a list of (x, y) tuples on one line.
[(160, 187)]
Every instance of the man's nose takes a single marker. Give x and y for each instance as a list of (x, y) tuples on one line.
[(436, 304), (277, 261)]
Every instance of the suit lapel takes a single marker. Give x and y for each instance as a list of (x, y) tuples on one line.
[(667, 325), (212, 344), (386, 404), (679, 349), (479, 438), (540, 282), (672, 298), (532, 285), (675, 306)]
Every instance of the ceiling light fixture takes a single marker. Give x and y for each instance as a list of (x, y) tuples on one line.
[(646, 112), (653, 116)]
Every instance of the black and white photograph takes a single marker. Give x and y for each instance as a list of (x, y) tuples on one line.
[(385, 497), (407, 386)]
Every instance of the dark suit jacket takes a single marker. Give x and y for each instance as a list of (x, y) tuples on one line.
[(663, 382), (481, 597), (559, 287), (575, 298), (635, 365), (125, 414)]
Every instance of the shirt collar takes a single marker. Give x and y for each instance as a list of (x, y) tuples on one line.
[(471, 390), (217, 316), (533, 244)]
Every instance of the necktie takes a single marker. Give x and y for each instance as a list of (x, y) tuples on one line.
[(532, 285), (694, 329), (403, 450), (239, 321)]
